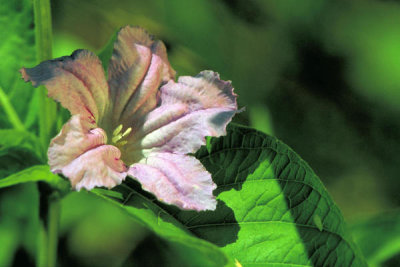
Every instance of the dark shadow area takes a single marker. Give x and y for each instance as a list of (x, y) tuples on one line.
[(392, 262), (16, 159), (65, 258), (22, 258), (347, 130), (316, 101), (152, 251), (247, 11)]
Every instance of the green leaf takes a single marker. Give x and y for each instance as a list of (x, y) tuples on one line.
[(106, 53), (272, 210), (22, 139), (17, 50), (378, 237), (38, 173), (18, 150)]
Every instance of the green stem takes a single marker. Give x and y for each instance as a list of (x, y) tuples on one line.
[(49, 202), (10, 111), (43, 39), (52, 224), (49, 234)]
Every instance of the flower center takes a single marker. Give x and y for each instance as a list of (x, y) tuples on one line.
[(118, 136)]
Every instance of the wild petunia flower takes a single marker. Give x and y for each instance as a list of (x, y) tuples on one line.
[(139, 123)]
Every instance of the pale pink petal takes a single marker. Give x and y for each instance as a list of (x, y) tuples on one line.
[(138, 67), (77, 82), (191, 109), (79, 152), (180, 180), (100, 166), (76, 137)]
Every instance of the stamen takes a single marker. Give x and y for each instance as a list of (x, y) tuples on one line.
[(128, 131), (117, 130), (116, 138)]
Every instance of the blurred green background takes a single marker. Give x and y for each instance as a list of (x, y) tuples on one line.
[(322, 76)]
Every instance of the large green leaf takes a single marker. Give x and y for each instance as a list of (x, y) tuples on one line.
[(379, 238), (272, 209)]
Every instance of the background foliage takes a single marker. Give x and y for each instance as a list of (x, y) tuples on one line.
[(322, 76)]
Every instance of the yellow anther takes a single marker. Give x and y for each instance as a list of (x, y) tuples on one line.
[(117, 136), (128, 131), (117, 130)]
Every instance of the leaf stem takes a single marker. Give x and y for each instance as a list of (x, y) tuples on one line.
[(10, 111), (43, 39)]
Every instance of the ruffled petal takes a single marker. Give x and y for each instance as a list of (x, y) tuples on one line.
[(191, 109), (77, 82), (79, 152), (138, 67), (180, 180), (100, 166)]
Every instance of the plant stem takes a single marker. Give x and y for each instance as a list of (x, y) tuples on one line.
[(10, 111), (43, 39), (50, 205), (49, 199), (52, 226)]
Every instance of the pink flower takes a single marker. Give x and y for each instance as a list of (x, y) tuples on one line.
[(139, 123)]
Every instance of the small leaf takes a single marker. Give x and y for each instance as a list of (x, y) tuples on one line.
[(21, 139), (317, 221), (106, 53), (18, 150)]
